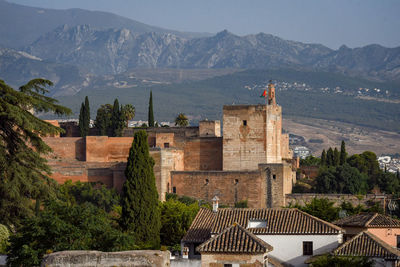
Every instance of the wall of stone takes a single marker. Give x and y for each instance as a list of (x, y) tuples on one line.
[(230, 187), (145, 258), (243, 260), (66, 148), (107, 149), (274, 132), (287, 153), (83, 171), (209, 128), (203, 153), (279, 179), (244, 138), (366, 200)]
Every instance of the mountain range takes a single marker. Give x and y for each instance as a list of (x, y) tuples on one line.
[(21, 25)]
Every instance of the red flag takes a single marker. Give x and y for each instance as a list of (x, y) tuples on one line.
[(264, 94)]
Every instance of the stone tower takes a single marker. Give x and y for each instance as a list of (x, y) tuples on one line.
[(253, 135)]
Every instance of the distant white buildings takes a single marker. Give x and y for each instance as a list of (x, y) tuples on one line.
[(301, 152), (390, 164)]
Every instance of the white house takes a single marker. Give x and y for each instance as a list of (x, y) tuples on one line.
[(294, 235)]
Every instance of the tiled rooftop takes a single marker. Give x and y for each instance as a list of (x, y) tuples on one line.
[(367, 244), (200, 230), (235, 239), (278, 221), (368, 220)]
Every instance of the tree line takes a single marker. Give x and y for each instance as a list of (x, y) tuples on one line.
[(112, 119), (357, 174)]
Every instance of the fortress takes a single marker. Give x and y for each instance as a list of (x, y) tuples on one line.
[(251, 161)]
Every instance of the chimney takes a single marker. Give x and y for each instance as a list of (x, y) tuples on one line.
[(215, 203)]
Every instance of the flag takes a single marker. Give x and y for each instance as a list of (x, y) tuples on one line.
[(264, 94)]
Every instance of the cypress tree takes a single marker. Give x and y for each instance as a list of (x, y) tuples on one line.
[(330, 157), (323, 158), (398, 174), (336, 157), (151, 115), (343, 154), (117, 120), (86, 118), (82, 121), (140, 211)]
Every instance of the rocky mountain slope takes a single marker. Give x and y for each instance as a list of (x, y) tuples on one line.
[(115, 51), (21, 25)]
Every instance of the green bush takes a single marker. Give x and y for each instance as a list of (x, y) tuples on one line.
[(4, 235)]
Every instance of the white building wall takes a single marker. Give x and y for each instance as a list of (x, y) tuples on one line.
[(289, 248)]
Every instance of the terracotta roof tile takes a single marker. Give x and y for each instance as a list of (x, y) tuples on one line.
[(365, 219), (278, 221), (367, 244), (200, 230), (235, 239)]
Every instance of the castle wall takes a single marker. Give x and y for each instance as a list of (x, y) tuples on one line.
[(210, 128), (203, 154), (287, 153), (229, 186), (66, 148), (244, 138), (278, 178), (107, 149), (338, 199)]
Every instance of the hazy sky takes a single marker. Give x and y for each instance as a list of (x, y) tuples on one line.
[(330, 22)]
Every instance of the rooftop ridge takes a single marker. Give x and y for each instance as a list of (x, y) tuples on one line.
[(240, 234), (320, 220), (362, 248), (372, 218)]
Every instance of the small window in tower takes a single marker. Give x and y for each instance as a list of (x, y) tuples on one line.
[(174, 190), (244, 123), (206, 182), (166, 145), (274, 176), (236, 181)]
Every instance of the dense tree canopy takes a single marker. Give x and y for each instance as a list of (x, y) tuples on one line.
[(62, 226), (328, 260), (24, 173)]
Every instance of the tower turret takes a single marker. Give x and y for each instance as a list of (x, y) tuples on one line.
[(271, 94)]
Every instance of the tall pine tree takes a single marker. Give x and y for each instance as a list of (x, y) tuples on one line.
[(151, 114), (336, 157), (140, 211), (343, 154), (323, 158), (23, 171), (330, 158)]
